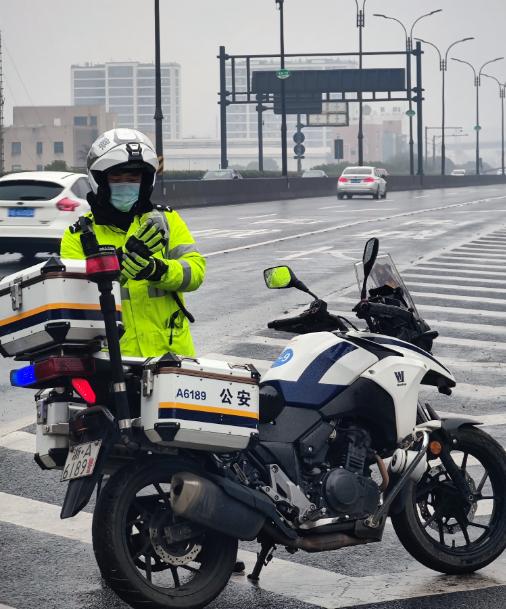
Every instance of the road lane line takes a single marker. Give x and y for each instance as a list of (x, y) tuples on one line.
[(498, 367), (255, 217), (471, 327), (322, 231), (327, 589)]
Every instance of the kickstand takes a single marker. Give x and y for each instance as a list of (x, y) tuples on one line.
[(264, 557)]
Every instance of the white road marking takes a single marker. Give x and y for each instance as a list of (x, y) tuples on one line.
[(465, 265), (459, 298), (348, 225), (430, 266), (5, 607), (454, 286), (480, 392), (345, 302), (455, 278), (422, 197), (328, 589), (331, 206), (19, 440), (256, 217), (471, 327), (306, 253), (10, 426), (468, 257), (497, 367)]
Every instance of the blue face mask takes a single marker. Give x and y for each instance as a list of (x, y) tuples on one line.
[(124, 196)]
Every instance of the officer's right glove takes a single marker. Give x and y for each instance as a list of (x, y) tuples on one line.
[(149, 239), (137, 267)]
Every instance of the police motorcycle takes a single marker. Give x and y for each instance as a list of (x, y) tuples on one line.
[(188, 456)]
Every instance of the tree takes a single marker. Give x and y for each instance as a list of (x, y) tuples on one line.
[(56, 166)]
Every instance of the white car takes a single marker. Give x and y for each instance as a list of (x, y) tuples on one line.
[(222, 174), (37, 206), (314, 173), (361, 181), (458, 172)]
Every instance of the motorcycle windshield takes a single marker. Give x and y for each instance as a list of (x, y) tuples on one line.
[(385, 273)]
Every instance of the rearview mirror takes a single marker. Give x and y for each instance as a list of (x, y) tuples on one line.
[(368, 260), (279, 277)]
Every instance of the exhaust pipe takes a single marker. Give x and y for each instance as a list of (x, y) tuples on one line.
[(204, 502), (324, 542), (201, 501)]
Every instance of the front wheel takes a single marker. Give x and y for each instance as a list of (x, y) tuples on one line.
[(148, 556), (439, 528)]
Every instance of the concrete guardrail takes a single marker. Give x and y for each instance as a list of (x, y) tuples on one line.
[(201, 193)]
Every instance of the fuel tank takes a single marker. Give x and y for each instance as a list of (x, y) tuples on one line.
[(316, 367)]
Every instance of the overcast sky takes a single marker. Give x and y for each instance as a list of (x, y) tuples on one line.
[(42, 38)]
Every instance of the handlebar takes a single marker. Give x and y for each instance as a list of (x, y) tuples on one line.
[(314, 319), (373, 309)]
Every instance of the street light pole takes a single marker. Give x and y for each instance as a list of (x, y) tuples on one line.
[(443, 66), (360, 137), (284, 149), (502, 96), (427, 129), (477, 83), (409, 49), (158, 96)]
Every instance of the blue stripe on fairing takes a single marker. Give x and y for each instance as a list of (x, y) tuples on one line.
[(400, 343), (307, 391)]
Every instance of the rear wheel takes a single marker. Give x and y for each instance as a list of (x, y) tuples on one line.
[(340, 197), (349, 196), (376, 195), (143, 557), (384, 196), (443, 531)]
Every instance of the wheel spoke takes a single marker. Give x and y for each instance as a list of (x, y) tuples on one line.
[(148, 567), (162, 494), (441, 532), (175, 575), (482, 483), (464, 462), (478, 526), (188, 568), (485, 497), (143, 549), (430, 520)]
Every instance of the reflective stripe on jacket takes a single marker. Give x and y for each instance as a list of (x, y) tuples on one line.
[(154, 324)]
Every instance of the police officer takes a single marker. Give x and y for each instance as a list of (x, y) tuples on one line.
[(159, 259)]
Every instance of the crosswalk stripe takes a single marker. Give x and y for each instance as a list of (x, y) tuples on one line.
[(469, 257), (328, 589), (455, 286), (466, 265), (19, 440), (476, 273), (481, 280), (471, 343), (344, 302), (460, 298)]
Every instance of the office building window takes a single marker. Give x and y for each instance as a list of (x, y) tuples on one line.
[(40, 167), (80, 121), (58, 147), (15, 148), (93, 121), (39, 148)]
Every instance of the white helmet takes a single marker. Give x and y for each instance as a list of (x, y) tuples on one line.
[(122, 148)]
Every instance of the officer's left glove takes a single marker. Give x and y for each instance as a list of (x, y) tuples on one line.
[(137, 267), (148, 240)]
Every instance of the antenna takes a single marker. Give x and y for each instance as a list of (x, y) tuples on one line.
[(2, 169)]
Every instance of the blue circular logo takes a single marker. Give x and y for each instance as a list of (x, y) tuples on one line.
[(284, 358)]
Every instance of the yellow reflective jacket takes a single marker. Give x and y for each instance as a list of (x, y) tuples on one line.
[(154, 323)]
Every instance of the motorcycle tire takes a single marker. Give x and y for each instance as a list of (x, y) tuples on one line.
[(135, 567), (427, 516)]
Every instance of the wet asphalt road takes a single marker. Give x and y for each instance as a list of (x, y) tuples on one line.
[(450, 247)]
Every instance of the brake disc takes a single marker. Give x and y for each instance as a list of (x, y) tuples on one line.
[(449, 523), (174, 554)]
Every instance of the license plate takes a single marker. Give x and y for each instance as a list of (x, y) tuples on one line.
[(356, 181), (81, 460), (21, 212)]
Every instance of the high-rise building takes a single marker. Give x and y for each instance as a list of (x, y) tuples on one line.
[(128, 90)]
